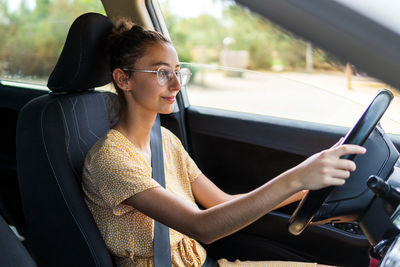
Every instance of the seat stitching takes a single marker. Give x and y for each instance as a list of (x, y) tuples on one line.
[(87, 118), (77, 124)]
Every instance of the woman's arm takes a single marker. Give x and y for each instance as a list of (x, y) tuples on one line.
[(209, 195), (320, 170), (215, 222)]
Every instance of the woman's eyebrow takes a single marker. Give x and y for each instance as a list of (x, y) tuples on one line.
[(159, 63), (162, 63)]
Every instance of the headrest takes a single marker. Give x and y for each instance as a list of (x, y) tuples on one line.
[(83, 63)]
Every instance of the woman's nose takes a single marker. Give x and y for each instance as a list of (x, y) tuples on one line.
[(175, 82)]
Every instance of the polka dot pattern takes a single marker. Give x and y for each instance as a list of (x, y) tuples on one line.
[(114, 171)]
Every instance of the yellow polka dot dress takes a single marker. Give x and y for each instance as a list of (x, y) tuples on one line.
[(114, 171)]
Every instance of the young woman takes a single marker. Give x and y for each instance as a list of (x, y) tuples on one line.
[(122, 194)]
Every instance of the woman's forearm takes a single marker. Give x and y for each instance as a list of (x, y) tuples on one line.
[(296, 197), (231, 216)]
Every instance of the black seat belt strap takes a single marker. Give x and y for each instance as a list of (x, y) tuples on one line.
[(161, 242)]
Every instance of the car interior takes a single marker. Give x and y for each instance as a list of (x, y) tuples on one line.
[(46, 135), (13, 252)]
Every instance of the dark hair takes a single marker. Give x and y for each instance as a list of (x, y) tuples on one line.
[(128, 42)]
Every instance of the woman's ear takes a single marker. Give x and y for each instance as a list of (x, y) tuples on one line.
[(121, 79)]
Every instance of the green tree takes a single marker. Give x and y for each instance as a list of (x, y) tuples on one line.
[(34, 37), (262, 39), (265, 41), (203, 31)]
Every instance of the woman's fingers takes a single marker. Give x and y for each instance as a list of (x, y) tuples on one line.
[(347, 150), (332, 169), (340, 174), (338, 143), (328, 168), (329, 175), (336, 182), (345, 164)]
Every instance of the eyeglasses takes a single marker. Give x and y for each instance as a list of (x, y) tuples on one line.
[(165, 74)]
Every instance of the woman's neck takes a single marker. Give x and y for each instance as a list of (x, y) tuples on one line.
[(136, 126)]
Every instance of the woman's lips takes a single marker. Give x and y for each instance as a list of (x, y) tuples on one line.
[(170, 99)]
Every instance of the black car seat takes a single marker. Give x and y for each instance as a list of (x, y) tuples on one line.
[(54, 133), (12, 252)]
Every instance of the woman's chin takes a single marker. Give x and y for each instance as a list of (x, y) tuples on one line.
[(166, 111)]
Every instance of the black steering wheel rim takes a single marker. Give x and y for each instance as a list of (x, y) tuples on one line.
[(314, 199)]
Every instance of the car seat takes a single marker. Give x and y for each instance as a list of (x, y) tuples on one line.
[(13, 253), (54, 133)]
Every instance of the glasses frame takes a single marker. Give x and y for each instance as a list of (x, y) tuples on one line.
[(179, 74)]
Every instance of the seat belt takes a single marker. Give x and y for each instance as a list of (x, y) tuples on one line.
[(161, 241)]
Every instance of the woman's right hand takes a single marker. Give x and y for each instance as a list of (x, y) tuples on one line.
[(326, 168)]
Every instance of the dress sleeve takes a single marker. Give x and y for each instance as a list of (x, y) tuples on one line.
[(121, 176), (193, 170), (169, 139)]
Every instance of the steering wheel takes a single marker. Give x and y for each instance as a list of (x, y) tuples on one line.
[(314, 199)]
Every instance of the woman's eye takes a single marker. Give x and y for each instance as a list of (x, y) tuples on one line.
[(164, 73)]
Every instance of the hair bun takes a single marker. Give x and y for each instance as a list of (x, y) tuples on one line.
[(122, 25)]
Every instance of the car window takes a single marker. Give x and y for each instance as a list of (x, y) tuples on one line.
[(242, 62), (33, 35)]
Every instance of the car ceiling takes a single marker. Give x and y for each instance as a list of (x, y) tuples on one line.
[(133, 9), (350, 36)]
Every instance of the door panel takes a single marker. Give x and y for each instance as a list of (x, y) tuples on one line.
[(240, 152)]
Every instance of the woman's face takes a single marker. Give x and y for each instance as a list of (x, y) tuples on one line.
[(144, 89)]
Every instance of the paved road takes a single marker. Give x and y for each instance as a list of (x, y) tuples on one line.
[(316, 97)]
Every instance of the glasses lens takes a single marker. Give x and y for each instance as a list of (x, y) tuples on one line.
[(184, 76), (163, 75)]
